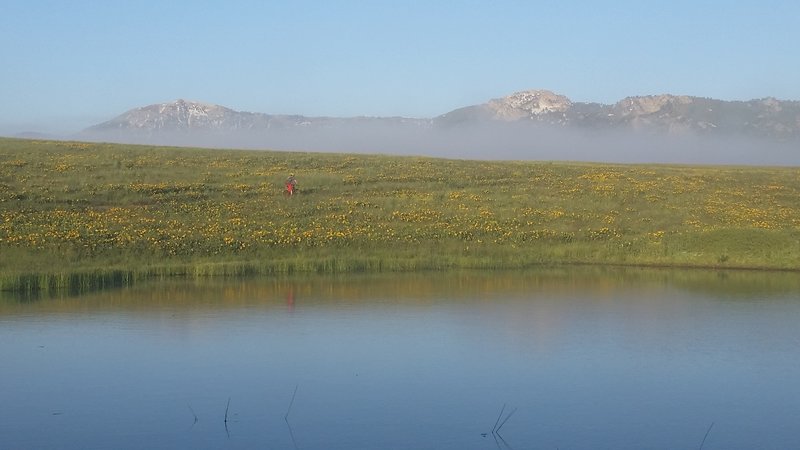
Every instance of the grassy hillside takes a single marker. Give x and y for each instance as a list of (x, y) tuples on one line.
[(76, 215)]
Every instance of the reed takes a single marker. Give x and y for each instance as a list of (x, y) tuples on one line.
[(291, 403), (227, 406), (706, 435)]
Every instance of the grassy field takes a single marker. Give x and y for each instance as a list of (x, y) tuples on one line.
[(78, 215)]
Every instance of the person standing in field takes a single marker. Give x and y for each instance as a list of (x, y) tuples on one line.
[(291, 184)]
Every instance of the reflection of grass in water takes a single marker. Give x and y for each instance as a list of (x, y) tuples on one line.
[(463, 286), (85, 216)]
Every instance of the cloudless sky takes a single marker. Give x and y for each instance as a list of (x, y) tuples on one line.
[(66, 65)]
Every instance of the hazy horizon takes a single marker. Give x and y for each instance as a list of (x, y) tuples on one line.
[(498, 141)]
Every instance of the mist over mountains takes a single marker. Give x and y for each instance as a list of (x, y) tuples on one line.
[(530, 125)]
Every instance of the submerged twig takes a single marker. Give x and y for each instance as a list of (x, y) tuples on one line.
[(498, 438), (498, 424), (704, 437), (291, 434), (194, 414), (286, 416), (227, 432)]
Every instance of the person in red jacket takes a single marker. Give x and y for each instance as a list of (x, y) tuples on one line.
[(291, 184)]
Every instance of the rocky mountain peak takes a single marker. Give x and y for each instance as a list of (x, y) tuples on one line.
[(176, 115), (529, 103), (183, 109), (650, 104), (772, 104)]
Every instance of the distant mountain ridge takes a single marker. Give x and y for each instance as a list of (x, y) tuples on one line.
[(184, 115), (526, 125), (672, 114), (768, 117), (178, 115)]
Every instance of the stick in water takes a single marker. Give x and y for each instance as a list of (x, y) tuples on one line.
[(226, 409), (195, 415), (494, 428), (704, 437), (286, 417), (506, 419)]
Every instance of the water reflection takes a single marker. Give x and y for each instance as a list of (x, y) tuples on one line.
[(415, 288), (586, 357)]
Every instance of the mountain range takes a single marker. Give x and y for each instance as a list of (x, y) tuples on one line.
[(768, 117), (183, 115), (523, 124)]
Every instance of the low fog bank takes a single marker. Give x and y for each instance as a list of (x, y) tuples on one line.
[(496, 142)]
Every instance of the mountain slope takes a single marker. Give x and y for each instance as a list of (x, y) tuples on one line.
[(182, 115), (767, 117)]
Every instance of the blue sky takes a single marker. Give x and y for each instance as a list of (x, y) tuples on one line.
[(70, 64)]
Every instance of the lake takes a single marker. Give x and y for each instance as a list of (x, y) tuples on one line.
[(569, 358)]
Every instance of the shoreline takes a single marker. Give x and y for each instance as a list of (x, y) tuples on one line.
[(100, 279)]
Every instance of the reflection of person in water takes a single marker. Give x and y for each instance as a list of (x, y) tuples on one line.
[(290, 299)]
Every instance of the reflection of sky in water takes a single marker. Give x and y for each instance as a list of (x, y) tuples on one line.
[(590, 359)]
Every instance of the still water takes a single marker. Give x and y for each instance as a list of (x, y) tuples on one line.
[(562, 358)]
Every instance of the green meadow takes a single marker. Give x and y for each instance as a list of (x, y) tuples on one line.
[(82, 215)]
